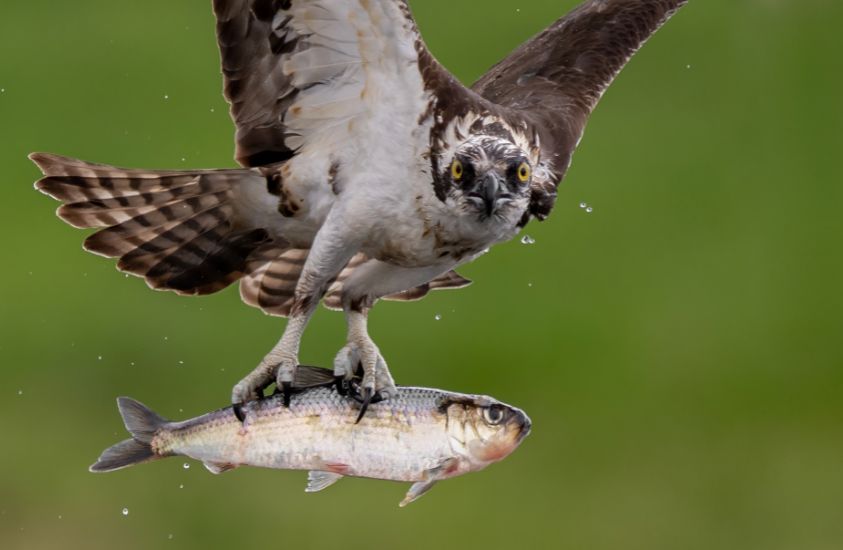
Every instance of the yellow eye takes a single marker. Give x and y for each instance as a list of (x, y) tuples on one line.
[(456, 170), (524, 172)]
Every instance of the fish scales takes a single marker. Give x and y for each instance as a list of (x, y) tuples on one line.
[(398, 439), (420, 435)]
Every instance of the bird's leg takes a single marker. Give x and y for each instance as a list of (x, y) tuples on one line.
[(368, 282), (279, 365), (330, 252), (377, 382)]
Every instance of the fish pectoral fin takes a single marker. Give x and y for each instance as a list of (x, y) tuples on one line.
[(416, 490), (318, 480), (219, 467), (431, 476)]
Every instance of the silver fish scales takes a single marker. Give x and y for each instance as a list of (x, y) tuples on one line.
[(421, 435)]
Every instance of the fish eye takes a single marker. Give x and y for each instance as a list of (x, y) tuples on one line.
[(457, 170), (524, 172), (494, 414)]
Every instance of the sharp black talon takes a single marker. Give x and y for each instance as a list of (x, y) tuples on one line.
[(368, 393), (239, 412), (260, 391), (287, 390), (339, 382)]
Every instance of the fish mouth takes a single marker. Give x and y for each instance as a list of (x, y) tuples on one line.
[(524, 426)]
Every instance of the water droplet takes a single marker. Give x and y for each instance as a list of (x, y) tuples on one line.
[(59, 516), (166, 338), (170, 536), (186, 466), (183, 159), (99, 357), (181, 362), (181, 486), (530, 285), (583, 205), (212, 110), (125, 511), (166, 96), (688, 66), (132, 364), (589, 210), (437, 317), (526, 239), (20, 392), (181, 410), (2, 90)]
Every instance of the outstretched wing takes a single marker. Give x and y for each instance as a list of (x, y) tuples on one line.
[(556, 79), (309, 73)]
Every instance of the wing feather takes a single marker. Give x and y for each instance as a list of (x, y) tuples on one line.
[(298, 72), (556, 79)]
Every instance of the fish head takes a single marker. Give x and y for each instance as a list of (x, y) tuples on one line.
[(483, 430)]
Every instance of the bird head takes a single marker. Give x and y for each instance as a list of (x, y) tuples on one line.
[(490, 176)]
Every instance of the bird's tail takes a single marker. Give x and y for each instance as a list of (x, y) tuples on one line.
[(176, 229), (143, 424)]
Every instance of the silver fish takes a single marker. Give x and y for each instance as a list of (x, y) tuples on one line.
[(422, 435)]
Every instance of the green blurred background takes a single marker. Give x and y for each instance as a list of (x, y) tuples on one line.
[(679, 348)]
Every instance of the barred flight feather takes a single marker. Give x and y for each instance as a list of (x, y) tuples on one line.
[(176, 229)]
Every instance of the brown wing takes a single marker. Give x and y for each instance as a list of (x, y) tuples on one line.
[(556, 79), (258, 90), (300, 74)]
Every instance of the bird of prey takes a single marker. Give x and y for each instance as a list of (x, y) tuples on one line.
[(368, 170)]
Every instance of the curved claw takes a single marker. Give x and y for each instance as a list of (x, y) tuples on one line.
[(287, 390), (237, 408), (368, 394), (339, 383)]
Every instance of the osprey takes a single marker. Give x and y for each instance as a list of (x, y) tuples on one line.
[(368, 170)]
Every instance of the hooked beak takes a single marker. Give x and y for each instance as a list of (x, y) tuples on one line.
[(489, 192)]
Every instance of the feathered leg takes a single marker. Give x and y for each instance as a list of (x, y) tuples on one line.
[(365, 286), (331, 251)]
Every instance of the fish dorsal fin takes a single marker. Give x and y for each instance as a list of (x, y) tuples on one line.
[(219, 467), (309, 377), (318, 480)]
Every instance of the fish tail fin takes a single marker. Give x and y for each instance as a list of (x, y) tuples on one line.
[(143, 424)]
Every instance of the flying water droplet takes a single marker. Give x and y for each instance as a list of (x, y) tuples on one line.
[(583, 205), (186, 466), (166, 96), (688, 66), (437, 317), (170, 536), (589, 210), (99, 357), (526, 239), (125, 511), (20, 392), (181, 486)]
